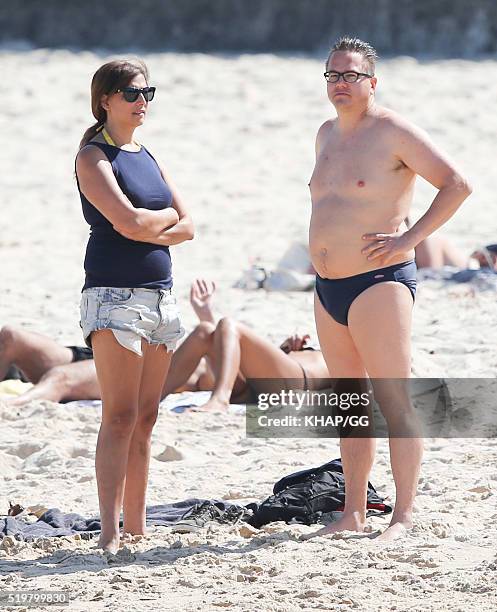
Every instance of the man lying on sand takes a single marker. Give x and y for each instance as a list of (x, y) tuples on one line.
[(367, 160), (214, 357)]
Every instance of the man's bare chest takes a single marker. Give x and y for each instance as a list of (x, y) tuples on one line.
[(362, 168)]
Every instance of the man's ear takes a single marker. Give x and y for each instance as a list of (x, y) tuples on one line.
[(373, 82)]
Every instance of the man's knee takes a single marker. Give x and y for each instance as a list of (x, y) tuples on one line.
[(8, 337), (59, 375)]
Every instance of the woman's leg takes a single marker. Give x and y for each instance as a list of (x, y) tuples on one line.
[(156, 362), (119, 372), (239, 350), (188, 355)]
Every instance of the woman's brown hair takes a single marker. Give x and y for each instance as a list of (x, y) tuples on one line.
[(108, 79)]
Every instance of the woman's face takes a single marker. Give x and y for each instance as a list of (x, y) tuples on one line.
[(131, 114), (485, 259)]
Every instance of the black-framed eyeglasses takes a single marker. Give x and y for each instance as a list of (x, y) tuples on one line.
[(131, 94), (350, 76)]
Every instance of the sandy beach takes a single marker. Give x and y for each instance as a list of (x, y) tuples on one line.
[(237, 135)]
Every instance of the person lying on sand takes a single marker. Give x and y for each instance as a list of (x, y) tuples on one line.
[(217, 357), (437, 251)]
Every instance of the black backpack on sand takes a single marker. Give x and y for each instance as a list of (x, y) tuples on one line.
[(304, 496)]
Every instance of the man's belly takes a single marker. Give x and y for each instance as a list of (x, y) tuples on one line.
[(335, 240)]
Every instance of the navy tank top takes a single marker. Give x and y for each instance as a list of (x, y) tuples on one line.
[(111, 259)]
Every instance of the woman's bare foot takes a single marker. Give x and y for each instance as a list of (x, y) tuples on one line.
[(109, 545), (213, 405), (352, 522), (138, 532)]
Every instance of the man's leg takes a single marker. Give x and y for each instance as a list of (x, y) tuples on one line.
[(357, 454), (380, 325), (34, 354), (65, 383)]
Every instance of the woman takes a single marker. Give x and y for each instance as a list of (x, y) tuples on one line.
[(128, 314), (235, 357)]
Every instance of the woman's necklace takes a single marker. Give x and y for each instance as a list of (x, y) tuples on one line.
[(109, 140)]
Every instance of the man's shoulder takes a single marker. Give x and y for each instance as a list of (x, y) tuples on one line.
[(390, 120), (325, 129), (327, 126)]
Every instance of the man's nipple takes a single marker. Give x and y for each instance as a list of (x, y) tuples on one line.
[(360, 183)]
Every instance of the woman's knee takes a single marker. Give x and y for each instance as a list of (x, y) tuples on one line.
[(204, 331), (229, 325), (147, 417), (120, 422)]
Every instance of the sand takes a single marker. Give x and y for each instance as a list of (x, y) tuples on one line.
[(236, 133)]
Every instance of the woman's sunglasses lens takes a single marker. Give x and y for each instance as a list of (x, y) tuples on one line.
[(130, 95)]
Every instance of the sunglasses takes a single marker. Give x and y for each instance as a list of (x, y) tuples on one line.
[(131, 94)]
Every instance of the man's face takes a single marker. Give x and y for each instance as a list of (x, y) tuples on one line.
[(342, 94)]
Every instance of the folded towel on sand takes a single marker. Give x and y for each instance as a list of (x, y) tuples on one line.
[(13, 387)]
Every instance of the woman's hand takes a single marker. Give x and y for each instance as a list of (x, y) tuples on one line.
[(385, 247), (294, 343), (201, 293)]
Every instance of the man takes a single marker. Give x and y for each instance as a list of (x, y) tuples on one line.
[(367, 160)]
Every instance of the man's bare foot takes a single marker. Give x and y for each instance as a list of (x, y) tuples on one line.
[(213, 405), (201, 293), (397, 529), (109, 545), (352, 522)]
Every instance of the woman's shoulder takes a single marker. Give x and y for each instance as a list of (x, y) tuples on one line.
[(90, 154)]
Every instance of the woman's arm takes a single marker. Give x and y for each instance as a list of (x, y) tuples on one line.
[(98, 184), (181, 231)]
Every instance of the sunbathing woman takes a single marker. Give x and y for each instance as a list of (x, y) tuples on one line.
[(234, 353)]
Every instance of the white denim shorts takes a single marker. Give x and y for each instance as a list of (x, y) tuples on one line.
[(132, 314)]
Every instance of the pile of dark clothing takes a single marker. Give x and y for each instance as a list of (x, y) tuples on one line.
[(307, 497)]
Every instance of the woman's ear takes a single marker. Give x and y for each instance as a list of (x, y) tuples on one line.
[(104, 102)]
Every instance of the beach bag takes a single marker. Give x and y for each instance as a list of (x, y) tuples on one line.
[(305, 496)]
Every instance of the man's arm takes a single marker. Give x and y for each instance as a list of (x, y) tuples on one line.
[(415, 149), (322, 134)]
